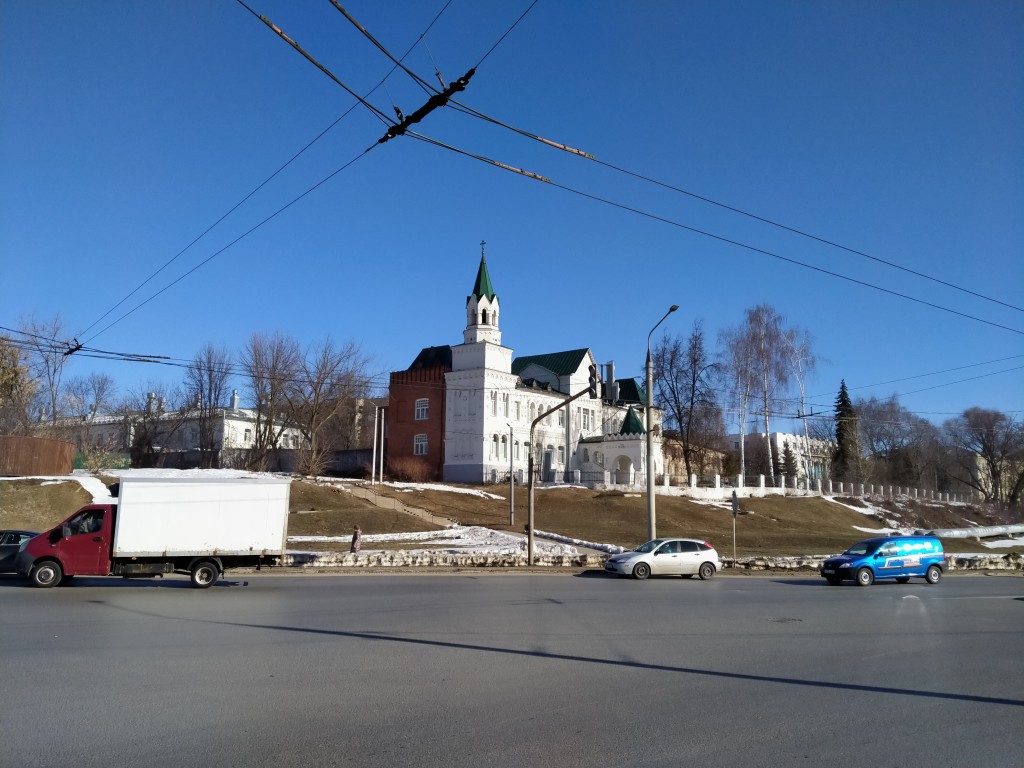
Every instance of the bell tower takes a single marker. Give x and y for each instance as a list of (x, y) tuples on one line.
[(482, 308)]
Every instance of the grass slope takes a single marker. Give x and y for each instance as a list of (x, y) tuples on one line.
[(769, 526)]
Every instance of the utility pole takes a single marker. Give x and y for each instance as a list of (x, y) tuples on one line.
[(591, 391), (511, 479), (651, 527)]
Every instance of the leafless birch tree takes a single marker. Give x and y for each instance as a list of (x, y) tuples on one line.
[(802, 362), (271, 365)]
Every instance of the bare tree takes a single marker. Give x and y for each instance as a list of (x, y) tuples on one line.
[(802, 362), (206, 386), (899, 446), (989, 448), (323, 400), (768, 346), (736, 367), (46, 358), (151, 417), (83, 398), (271, 364), (683, 377)]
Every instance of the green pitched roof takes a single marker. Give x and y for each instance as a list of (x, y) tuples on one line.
[(482, 287), (631, 425), (631, 392), (559, 363)]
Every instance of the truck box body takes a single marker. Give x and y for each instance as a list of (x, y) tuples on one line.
[(215, 516), (198, 526)]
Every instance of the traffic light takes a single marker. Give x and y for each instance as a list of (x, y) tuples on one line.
[(594, 384)]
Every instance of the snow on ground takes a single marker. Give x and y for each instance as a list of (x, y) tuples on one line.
[(410, 487), (458, 538), (892, 525), (1003, 543)]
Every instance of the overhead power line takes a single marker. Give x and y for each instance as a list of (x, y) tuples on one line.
[(263, 183), (242, 236), (713, 236)]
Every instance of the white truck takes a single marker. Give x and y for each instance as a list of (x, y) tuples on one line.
[(194, 526)]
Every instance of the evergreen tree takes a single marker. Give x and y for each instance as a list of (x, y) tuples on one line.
[(846, 459), (789, 467)]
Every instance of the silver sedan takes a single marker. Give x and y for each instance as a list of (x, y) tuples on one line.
[(667, 557)]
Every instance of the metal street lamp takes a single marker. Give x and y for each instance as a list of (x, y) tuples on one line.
[(651, 527)]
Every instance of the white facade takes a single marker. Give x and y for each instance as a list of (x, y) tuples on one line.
[(233, 428), (490, 409), (813, 463)]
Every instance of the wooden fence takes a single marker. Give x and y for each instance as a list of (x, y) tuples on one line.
[(33, 456)]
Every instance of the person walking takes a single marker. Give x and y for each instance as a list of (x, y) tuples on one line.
[(357, 535)]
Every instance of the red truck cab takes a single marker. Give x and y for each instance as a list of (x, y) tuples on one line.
[(80, 546)]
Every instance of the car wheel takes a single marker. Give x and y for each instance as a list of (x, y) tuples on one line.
[(46, 574), (933, 574), (833, 581), (865, 578), (641, 571), (204, 574), (706, 571), (902, 579)]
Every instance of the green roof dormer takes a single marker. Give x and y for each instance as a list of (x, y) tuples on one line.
[(631, 425)]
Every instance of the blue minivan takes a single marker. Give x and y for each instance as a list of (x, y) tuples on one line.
[(887, 557)]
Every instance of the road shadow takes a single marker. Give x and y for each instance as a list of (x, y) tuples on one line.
[(13, 581)]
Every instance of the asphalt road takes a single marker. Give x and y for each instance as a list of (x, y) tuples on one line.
[(505, 669)]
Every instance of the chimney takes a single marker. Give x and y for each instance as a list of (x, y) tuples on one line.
[(234, 400), (150, 397)]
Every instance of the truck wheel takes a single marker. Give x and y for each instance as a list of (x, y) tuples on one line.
[(865, 578), (933, 574), (46, 573), (205, 574)]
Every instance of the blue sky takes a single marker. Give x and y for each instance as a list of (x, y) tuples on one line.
[(894, 129)]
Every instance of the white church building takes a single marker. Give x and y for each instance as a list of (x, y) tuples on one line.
[(491, 399)]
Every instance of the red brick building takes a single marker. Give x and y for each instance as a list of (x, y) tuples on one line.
[(416, 411)]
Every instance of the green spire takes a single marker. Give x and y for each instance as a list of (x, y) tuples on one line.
[(631, 425), (483, 279)]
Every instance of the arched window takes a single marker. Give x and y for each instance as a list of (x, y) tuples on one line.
[(422, 408), (494, 447), (504, 447)]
